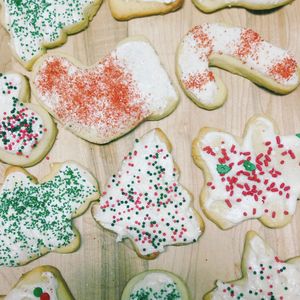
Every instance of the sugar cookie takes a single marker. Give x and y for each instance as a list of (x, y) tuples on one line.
[(104, 102), (241, 51), (254, 177), (36, 218), (145, 202), (27, 132)]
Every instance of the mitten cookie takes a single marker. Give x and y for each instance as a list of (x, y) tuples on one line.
[(104, 102), (145, 202), (36, 218), (238, 50), (36, 25), (27, 132), (126, 10), (264, 275), (213, 5), (155, 285), (41, 283), (254, 177)]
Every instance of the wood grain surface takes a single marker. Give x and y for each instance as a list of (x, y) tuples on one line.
[(101, 268)]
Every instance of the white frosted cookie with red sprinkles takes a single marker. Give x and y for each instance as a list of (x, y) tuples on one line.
[(103, 102), (209, 6), (27, 132), (264, 275), (41, 283), (253, 177), (145, 202), (241, 51)]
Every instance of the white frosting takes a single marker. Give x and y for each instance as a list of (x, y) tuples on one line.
[(265, 274), (24, 291), (158, 1), (145, 202), (242, 44), (157, 286), (15, 135), (271, 190)]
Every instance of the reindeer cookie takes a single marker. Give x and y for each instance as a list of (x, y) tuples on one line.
[(253, 177), (36, 218), (145, 202)]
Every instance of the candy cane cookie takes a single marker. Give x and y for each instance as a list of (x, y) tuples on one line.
[(254, 177), (103, 102), (209, 6), (27, 132), (264, 275), (145, 202), (36, 25), (238, 50), (36, 218), (41, 283)]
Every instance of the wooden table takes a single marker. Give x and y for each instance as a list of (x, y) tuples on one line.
[(101, 268)]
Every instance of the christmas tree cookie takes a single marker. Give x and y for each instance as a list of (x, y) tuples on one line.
[(103, 102), (27, 132), (264, 275), (41, 283), (156, 285), (36, 25), (36, 218), (253, 177), (145, 202)]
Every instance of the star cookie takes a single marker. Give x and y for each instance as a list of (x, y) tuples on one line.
[(145, 202), (36, 218), (253, 177)]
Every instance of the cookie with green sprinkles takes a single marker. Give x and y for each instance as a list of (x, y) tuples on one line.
[(36, 25), (145, 202), (41, 283), (36, 218), (27, 132), (264, 275), (156, 285)]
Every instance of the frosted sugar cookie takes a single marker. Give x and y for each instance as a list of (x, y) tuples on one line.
[(105, 101), (264, 275), (253, 177), (126, 10), (155, 285), (27, 132), (41, 283), (241, 51), (36, 25), (213, 5), (145, 202), (36, 218)]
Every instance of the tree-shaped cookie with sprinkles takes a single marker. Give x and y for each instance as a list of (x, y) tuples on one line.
[(27, 132), (35, 25), (264, 275), (36, 218), (41, 283), (253, 177), (145, 202)]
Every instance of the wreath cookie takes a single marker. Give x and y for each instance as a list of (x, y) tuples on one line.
[(36, 218), (241, 51), (253, 177), (105, 101), (27, 132), (145, 202)]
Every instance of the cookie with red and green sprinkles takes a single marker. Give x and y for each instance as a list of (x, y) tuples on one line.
[(27, 132), (156, 285), (41, 283), (36, 218), (145, 202), (264, 275), (36, 25), (254, 177)]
